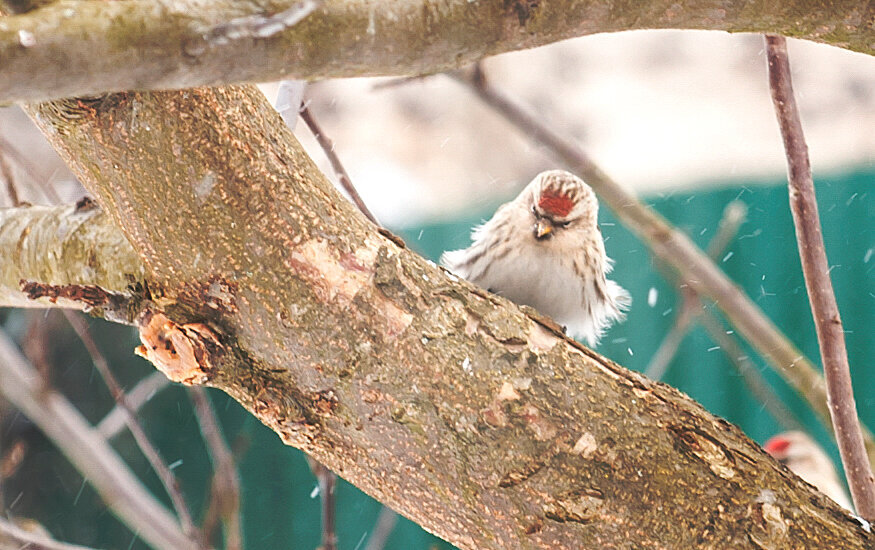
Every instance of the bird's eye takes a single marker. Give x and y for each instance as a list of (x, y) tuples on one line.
[(565, 224), (534, 211)]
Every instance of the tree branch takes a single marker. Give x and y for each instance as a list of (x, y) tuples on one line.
[(827, 322), (475, 418), (66, 246), (82, 47), (87, 451), (694, 268)]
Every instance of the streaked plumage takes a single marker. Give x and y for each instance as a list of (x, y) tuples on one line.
[(544, 249)]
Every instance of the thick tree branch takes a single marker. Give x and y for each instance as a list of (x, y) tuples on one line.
[(80, 47), (454, 406), (87, 451), (72, 247), (827, 322)]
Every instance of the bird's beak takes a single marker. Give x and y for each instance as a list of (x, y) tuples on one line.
[(543, 229)]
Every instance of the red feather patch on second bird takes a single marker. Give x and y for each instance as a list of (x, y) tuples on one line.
[(555, 204), (776, 444)]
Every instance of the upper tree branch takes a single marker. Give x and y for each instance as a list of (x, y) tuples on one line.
[(81, 47), (827, 322), (451, 405)]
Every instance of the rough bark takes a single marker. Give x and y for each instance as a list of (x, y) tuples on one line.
[(455, 407), (77, 47)]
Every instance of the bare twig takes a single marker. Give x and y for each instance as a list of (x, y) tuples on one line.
[(382, 529), (733, 216), (13, 537), (754, 381), (342, 176), (114, 421), (675, 249), (691, 311), (827, 322), (168, 480), (87, 451), (327, 483), (225, 488)]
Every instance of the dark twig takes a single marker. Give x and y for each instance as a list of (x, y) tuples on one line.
[(382, 529), (675, 249), (336, 165), (149, 451), (327, 481), (225, 489), (827, 322)]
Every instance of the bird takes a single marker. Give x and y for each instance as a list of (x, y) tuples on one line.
[(545, 249), (806, 459)]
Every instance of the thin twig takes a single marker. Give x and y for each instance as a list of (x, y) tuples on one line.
[(336, 165), (327, 481), (828, 324), (691, 311), (114, 421), (386, 522), (168, 480), (675, 249), (733, 216), (225, 488), (754, 381), (65, 426)]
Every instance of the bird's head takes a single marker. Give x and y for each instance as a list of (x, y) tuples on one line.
[(790, 446), (559, 201)]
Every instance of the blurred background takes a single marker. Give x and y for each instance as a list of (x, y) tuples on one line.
[(683, 119)]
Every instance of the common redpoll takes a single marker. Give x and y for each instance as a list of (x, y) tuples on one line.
[(544, 249), (807, 460)]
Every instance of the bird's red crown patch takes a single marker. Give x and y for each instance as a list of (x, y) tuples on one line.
[(555, 203), (776, 445)]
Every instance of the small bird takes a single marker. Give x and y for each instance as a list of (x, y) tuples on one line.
[(544, 249), (806, 459)]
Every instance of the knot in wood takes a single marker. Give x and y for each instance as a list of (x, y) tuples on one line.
[(186, 353)]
